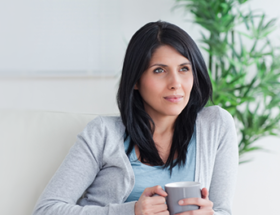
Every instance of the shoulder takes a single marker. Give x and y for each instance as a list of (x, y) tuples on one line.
[(215, 120), (216, 133), (215, 114), (102, 120), (218, 122), (100, 135), (105, 123), (102, 131)]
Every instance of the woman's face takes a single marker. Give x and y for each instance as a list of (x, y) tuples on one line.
[(167, 83)]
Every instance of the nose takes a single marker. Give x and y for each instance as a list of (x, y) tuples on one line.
[(174, 81)]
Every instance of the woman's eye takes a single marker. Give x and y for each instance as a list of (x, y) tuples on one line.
[(158, 70), (185, 69)]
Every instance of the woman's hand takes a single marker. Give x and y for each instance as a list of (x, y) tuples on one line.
[(149, 204), (206, 206)]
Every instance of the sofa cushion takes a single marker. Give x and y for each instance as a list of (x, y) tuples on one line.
[(32, 146)]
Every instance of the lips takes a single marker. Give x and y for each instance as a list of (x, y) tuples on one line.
[(174, 98)]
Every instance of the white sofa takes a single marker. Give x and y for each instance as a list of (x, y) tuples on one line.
[(32, 146)]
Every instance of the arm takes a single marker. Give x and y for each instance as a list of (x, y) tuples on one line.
[(224, 175), (75, 175)]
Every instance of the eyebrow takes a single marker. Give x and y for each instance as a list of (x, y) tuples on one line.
[(163, 65)]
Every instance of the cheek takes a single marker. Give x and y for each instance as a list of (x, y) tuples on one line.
[(149, 87), (189, 83)]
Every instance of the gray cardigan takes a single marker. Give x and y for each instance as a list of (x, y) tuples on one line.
[(98, 169)]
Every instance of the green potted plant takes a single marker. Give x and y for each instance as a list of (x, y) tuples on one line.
[(243, 64)]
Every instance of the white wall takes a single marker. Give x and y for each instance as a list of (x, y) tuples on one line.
[(258, 183)]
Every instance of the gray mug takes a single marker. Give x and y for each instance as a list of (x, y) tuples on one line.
[(181, 190)]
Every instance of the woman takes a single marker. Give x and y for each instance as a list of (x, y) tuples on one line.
[(164, 134)]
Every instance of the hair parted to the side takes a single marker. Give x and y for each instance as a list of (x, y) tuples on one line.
[(139, 125)]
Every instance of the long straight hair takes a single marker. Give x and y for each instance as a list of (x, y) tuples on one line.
[(139, 125)]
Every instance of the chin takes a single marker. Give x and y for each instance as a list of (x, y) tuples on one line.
[(173, 112)]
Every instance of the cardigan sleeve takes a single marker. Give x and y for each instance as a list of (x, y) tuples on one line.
[(76, 173), (225, 169)]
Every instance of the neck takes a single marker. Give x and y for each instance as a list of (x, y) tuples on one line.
[(163, 135), (164, 125)]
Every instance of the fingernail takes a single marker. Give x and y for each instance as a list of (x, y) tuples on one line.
[(181, 202)]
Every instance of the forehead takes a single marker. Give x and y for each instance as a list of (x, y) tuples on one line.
[(167, 53)]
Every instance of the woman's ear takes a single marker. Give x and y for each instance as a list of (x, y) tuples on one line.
[(136, 86)]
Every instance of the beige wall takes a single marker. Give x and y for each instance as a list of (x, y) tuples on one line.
[(81, 95)]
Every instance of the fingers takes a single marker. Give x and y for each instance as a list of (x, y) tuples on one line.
[(149, 204), (155, 190), (158, 200), (206, 206), (206, 211), (160, 208), (204, 193), (196, 201), (148, 208)]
